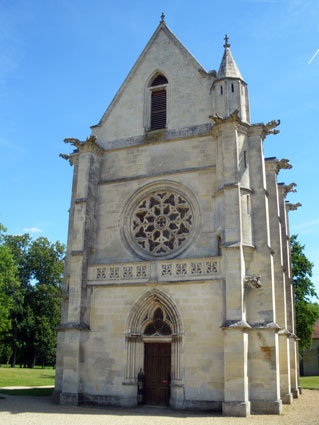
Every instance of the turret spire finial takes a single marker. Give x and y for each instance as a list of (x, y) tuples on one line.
[(162, 17), (226, 41)]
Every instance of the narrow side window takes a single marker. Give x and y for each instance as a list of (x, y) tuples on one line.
[(158, 102), (219, 246)]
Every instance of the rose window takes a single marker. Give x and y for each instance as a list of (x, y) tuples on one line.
[(162, 223)]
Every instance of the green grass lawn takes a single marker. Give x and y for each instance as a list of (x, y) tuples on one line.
[(26, 377), (309, 382), (35, 392)]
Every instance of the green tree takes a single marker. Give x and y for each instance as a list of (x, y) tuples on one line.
[(45, 262), (306, 312), (9, 283), (22, 315), (37, 302)]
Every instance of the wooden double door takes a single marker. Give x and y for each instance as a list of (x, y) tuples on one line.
[(157, 370)]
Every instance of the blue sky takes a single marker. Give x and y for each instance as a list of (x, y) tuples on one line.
[(62, 61)]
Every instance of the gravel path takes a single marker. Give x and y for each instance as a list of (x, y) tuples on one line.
[(16, 410)]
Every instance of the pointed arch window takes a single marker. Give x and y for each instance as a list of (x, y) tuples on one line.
[(159, 80), (158, 102)]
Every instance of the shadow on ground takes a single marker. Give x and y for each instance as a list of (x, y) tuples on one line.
[(17, 404)]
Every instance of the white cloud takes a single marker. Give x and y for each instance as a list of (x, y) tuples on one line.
[(306, 225), (33, 230), (313, 57), (307, 228)]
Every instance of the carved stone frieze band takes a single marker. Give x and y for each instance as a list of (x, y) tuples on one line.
[(156, 271)]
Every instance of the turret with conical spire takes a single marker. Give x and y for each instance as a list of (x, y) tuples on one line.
[(229, 89)]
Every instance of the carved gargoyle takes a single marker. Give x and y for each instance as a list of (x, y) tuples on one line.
[(77, 143), (293, 207), (231, 118), (64, 156), (252, 281), (70, 158), (269, 128), (291, 187), (272, 124), (284, 164)]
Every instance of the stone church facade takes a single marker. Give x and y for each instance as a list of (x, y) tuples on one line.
[(177, 283)]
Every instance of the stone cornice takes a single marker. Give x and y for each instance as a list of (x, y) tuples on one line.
[(80, 200), (242, 324), (158, 136), (294, 336), (232, 186), (77, 253), (163, 173), (283, 332), (232, 245), (235, 324), (228, 78), (73, 326), (265, 325)]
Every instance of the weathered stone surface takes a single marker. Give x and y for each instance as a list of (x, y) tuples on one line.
[(178, 235)]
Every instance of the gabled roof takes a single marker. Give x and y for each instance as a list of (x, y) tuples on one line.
[(161, 27), (228, 66)]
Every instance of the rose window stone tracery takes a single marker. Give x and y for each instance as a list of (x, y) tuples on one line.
[(161, 223)]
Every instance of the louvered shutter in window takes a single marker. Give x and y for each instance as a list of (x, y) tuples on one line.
[(158, 110)]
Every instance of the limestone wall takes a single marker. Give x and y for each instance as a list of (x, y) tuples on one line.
[(202, 313), (113, 198), (164, 157)]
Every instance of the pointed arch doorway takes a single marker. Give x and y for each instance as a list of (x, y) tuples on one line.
[(153, 344), (157, 333)]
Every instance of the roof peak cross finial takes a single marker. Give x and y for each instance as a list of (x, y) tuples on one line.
[(162, 17), (226, 41)]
